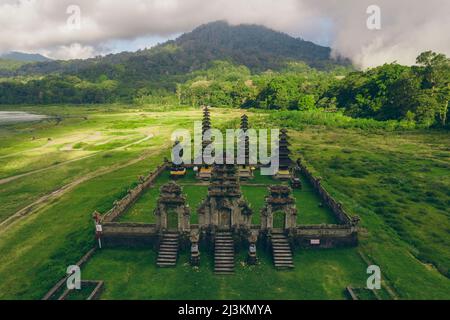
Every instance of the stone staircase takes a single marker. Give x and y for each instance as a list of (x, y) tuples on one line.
[(224, 253), (282, 253), (168, 250)]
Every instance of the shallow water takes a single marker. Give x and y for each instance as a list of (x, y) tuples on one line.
[(17, 116)]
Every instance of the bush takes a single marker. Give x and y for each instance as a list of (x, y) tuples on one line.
[(295, 120)]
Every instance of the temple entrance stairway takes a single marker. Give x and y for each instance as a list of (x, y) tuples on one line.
[(281, 249), (168, 250), (224, 253)]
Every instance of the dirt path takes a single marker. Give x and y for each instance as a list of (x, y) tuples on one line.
[(12, 178), (41, 202)]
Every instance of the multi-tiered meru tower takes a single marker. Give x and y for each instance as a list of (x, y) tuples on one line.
[(245, 170), (285, 160), (205, 170)]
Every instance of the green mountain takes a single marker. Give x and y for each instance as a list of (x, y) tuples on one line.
[(256, 47), (158, 71), (24, 57)]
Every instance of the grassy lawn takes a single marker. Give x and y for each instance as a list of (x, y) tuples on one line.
[(254, 192), (132, 274), (399, 184)]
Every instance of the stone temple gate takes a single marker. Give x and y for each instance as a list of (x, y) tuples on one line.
[(172, 211), (225, 207), (281, 202)]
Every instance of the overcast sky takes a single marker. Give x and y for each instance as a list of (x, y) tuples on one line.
[(408, 27)]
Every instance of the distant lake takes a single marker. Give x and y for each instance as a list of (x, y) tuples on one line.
[(17, 116)]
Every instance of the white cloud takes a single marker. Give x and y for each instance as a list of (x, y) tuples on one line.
[(72, 51), (408, 26)]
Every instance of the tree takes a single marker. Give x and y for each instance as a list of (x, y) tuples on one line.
[(306, 102), (434, 69)]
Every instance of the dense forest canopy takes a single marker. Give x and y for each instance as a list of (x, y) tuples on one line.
[(242, 66)]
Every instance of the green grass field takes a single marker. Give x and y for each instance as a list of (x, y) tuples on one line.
[(132, 274), (53, 175)]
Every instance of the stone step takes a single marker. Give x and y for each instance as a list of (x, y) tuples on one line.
[(165, 257), (166, 241), (171, 255), (168, 250), (223, 263), (169, 245), (170, 236), (283, 267), (168, 253), (167, 262), (281, 249), (282, 252), (224, 259), (170, 241), (281, 263), (280, 242), (224, 256), (281, 245), (287, 248), (281, 259), (224, 253)]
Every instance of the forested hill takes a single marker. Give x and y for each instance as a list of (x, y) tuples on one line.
[(256, 47), (24, 57)]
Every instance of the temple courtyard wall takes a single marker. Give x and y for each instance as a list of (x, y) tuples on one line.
[(132, 235)]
